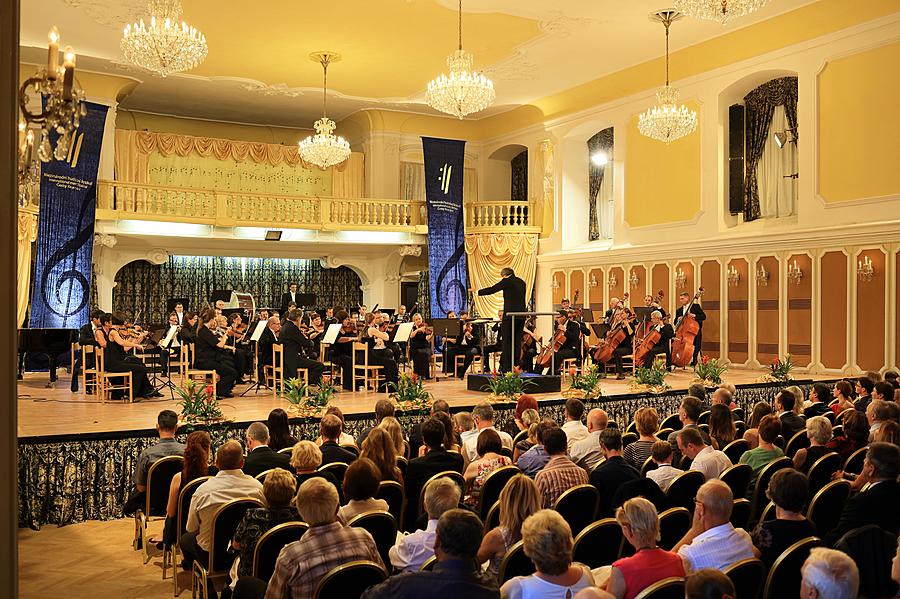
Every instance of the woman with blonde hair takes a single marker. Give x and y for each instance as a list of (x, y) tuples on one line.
[(647, 421), (392, 426), (798, 393), (306, 457), (518, 500), (379, 448)]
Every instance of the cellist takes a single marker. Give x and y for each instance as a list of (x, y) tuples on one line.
[(619, 314), (570, 333), (666, 333), (699, 315)]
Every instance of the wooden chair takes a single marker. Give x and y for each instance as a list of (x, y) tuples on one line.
[(181, 362), (371, 375), (673, 524), (350, 580), (738, 478), (826, 506), (667, 588), (493, 485), (91, 380), (181, 515), (568, 364), (599, 543), (740, 513), (159, 478), (383, 528), (278, 370), (392, 492), (106, 378), (747, 576), (683, 490), (225, 521), (476, 361), (270, 545), (784, 576), (515, 563), (578, 506), (735, 450), (207, 377)]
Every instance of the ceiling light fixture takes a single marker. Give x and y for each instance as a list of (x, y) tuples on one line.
[(165, 47), (324, 149), (464, 91), (667, 122), (718, 10)]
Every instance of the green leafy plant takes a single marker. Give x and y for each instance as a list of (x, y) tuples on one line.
[(654, 376), (710, 369), (295, 391), (323, 395), (589, 380), (509, 385), (198, 403), (780, 370), (409, 391)]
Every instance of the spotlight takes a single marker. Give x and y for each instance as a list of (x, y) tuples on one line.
[(273, 235), (599, 158)]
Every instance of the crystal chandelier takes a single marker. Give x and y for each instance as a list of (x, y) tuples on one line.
[(165, 47), (324, 149), (667, 122), (463, 91), (718, 10)]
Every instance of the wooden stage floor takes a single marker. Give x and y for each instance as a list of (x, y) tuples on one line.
[(58, 411)]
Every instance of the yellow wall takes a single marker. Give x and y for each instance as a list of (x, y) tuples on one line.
[(127, 119), (859, 126), (662, 182)]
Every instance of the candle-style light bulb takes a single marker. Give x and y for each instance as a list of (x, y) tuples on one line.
[(52, 53), (69, 72)]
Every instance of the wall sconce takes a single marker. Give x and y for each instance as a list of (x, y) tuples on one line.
[(680, 279), (592, 282), (612, 281), (633, 280), (794, 273), (864, 270), (762, 276), (555, 283), (734, 277)]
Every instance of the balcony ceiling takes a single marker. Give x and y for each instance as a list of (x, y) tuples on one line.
[(258, 72)]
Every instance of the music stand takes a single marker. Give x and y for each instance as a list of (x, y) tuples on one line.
[(305, 300), (443, 326), (600, 329), (163, 338), (220, 294), (643, 313), (587, 315)]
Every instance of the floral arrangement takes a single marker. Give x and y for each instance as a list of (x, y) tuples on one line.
[(506, 387), (780, 370), (304, 403), (710, 370), (586, 385), (199, 404), (652, 379), (409, 393)]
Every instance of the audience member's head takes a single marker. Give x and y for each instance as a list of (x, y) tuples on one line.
[(690, 442), (525, 402), (196, 456), (277, 424), (392, 427), (317, 501), (882, 461), (864, 386), (714, 500), (383, 409), (698, 390), (709, 583), (433, 433), (463, 421), (690, 409), (647, 421), (574, 409), (230, 456), (883, 390), (330, 428), (843, 388), (547, 540), (166, 423), (819, 392), (785, 401), (856, 426), (889, 432), (257, 435), (760, 410), (818, 429), (441, 495), (542, 427), (483, 414), (530, 417), (306, 456), (874, 376), (661, 452), (361, 480), (610, 441), (488, 442), (379, 448), (788, 490), (721, 423), (829, 574), (458, 535), (769, 428), (597, 420), (722, 396), (519, 499), (639, 521), (878, 411), (440, 405), (447, 423), (555, 441), (279, 488), (797, 392)]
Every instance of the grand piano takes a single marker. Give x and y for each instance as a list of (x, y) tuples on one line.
[(49, 342)]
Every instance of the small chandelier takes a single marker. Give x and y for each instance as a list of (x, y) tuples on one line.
[(718, 10), (762, 276), (733, 276), (165, 47), (612, 281), (324, 149), (864, 269), (680, 279), (463, 91), (667, 122), (795, 273), (634, 280)]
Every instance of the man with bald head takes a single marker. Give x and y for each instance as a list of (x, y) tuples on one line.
[(712, 542), (586, 452)]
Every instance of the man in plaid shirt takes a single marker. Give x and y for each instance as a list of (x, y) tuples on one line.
[(326, 545), (560, 473)]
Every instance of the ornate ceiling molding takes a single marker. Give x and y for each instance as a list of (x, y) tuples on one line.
[(111, 13)]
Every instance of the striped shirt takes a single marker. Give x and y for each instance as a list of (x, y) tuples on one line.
[(559, 475)]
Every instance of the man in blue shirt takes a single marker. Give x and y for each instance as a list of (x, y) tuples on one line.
[(532, 461)]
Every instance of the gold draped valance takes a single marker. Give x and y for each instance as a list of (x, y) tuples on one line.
[(488, 253)]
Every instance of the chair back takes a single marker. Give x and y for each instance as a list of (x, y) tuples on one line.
[(403, 465), (740, 427), (383, 528), (520, 436), (392, 492), (649, 465), (673, 524), (747, 577), (820, 473), (261, 477), (784, 576), (338, 469), (578, 506), (599, 544), (350, 580), (799, 440), (270, 545), (493, 518), (184, 503), (286, 450), (351, 448), (738, 478), (667, 588), (428, 566), (628, 439), (683, 490), (872, 549), (515, 563), (631, 428), (703, 418), (740, 513), (826, 506), (672, 421), (768, 513), (760, 500), (159, 477), (452, 475), (225, 521), (735, 450), (493, 484), (663, 433), (277, 367), (737, 414), (854, 463), (837, 430)]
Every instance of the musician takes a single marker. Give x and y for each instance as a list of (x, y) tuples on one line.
[(685, 298), (211, 353), (179, 313), (220, 305), (85, 337), (420, 347), (466, 345), (363, 309), (342, 350), (650, 302), (662, 346), (513, 289), (619, 315), (236, 332), (267, 339), (397, 351), (400, 316), (379, 355), (188, 333), (115, 356), (529, 349), (290, 296), (497, 345), (174, 343), (610, 314), (315, 333), (295, 345), (330, 318), (576, 315), (565, 304), (570, 347)]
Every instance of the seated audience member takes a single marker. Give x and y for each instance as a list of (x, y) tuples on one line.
[(451, 443), (818, 429), (829, 574), (864, 387), (523, 404), (230, 483), (392, 427), (483, 414), (280, 436), (414, 549), (788, 490), (766, 451), (560, 473), (383, 409), (878, 412), (647, 422), (306, 457), (721, 426), (640, 526), (547, 540), (711, 462), (465, 426), (360, 486), (688, 413), (518, 500), (488, 459), (261, 457), (415, 435), (817, 404), (709, 583), (526, 444), (698, 391), (344, 439), (196, 465), (889, 432), (724, 397), (883, 390), (613, 472), (330, 431), (455, 574), (379, 448), (420, 470), (856, 434), (843, 393), (586, 453), (878, 503), (537, 457), (712, 542), (791, 424), (574, 429), (760, 410), (665, 472), (166, 425)]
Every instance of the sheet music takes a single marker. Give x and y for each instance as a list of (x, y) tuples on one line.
[(258, 331), (401, 333), (332, 333), (167, 341)]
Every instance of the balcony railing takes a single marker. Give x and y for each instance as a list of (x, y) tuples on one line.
[(506, 216)]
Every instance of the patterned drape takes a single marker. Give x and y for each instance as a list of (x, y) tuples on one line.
[(602, 141), (423, 293), (143, 288), (491, 252), (518, 187), (760, 105)]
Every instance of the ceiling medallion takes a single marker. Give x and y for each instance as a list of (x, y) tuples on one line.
[(165, 46), (718, 10), (463, 91), (666, 121), (324, 149)]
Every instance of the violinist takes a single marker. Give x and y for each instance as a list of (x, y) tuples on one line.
[(295, 345), (315, 332), (220, 305), (379, 354), (420, 347), (187, 334), (570, 334), (467, 345), (342, 350), (685, 298), (236, 333), (211, 353), (385, 324), (529, 349), (329, 317), (179, 313), (666, 332), (400, 316), (86, 336), (115, 345), (267, 339), (174, 344)]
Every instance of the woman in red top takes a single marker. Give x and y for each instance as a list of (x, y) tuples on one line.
[(842, 393), (631, 575)]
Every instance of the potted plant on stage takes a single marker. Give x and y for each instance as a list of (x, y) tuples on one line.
[(652, 379), (307, 401), (199, 405), (409, 394), (780, 370), (505, 387), (710, 370), (585, 385), (295, 391)]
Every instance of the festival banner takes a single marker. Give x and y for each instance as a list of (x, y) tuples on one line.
[(61, 287), (446, 239)]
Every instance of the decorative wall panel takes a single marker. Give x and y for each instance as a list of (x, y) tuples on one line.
[(738, 295), (871, 323), (711, 280), (799, 313), (767, 309)]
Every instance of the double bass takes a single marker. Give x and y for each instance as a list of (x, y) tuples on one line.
[(616, 333), (650, 337), (686, 330)]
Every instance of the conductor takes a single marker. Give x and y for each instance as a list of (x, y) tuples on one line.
[(513, 289)]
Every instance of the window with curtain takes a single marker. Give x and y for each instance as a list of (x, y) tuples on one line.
[(776, 172), (518, 185), (600, 185)]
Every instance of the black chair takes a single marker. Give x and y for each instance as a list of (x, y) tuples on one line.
[(350, 580), (820, 473), (663, 433), (392, 492), (872, 549), (578, 506), (493, 518), (520, 436), (740, 427), (747, 577), (649, 465), (184, 503), (631, 428), (825, 509), (159, 478), (784, 576), (599, 544), (351, 447), (402, 464), (270, 545), (428, 566), (837, 430), (738, 478), (683, 490), (493, 484), (515, 563), (759, 499), (735, 450), (704, 418), (225, 521), (768, 513), (779, 442), (673, 525), (854, 463), (800, 439), (671, 421), (261, 477), (628, 439), (383, 528), (338, 469), (506, 451), (452, 475), (740, 513), (737, 414), (286, 450), (667, 588)]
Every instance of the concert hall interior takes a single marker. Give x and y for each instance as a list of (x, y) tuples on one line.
[(407, 212)]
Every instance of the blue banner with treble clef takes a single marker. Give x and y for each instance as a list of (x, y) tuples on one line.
[(61, 288), (444, 163)]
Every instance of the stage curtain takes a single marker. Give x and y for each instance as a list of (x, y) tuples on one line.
[(27, 233), (777, 190), (351, 181), (487, 254), (599, 195)]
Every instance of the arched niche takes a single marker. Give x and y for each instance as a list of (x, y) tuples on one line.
[(501, 167)]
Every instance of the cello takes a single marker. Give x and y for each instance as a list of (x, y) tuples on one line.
[(650, 337), (615, 335), (686, 330), (544, 358)]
